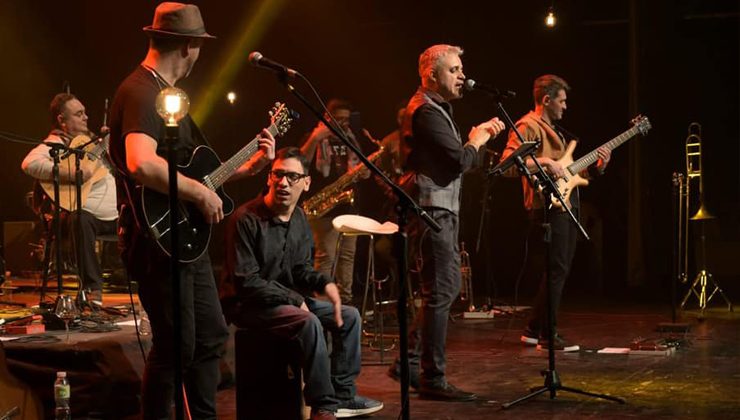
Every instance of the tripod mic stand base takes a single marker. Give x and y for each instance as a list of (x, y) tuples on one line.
[(553, 385)]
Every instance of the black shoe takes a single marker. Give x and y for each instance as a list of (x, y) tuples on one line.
[(560, 344), (394, 372), (445, 392)]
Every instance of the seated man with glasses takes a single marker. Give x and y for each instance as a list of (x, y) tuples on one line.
[(270, 286)]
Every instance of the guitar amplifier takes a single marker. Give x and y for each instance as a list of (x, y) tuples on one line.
[(20, 240)]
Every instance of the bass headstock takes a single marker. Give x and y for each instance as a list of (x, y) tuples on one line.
[(642, 124)]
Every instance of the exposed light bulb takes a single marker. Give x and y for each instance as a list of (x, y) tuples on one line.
[(550, 18), (231, 97)]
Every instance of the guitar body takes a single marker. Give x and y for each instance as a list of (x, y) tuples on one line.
[(68, 190), (207, 168), (195, 232), (570, 181)]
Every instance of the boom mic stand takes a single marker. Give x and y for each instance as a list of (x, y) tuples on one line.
[(540, 179), (404, 205)]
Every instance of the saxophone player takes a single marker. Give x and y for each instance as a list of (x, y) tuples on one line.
[(330, 158)]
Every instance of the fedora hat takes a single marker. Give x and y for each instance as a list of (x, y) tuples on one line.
[(177, 20)]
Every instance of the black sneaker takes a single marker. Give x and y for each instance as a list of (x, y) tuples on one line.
[(445, 392), (394, 372), (560, 344), (529, 338), (357, 406)]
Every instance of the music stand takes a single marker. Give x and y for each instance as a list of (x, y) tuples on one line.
[(526, 148)]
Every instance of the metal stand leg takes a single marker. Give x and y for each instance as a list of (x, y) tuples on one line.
[(378, 330), (702, 279)]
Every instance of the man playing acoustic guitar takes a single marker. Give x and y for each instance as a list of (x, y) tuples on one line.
[(99, 214)]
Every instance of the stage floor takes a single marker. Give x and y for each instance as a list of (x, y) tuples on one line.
[(700, 380)]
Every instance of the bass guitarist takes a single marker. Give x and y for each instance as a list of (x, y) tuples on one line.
[(550, 95), (99, 214), (137, 147)]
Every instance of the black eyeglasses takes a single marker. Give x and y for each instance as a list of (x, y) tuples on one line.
[(292, 177)]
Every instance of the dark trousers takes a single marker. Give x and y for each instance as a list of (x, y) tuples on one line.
[(87, 228), (561, 253), (440, 285), (204, 330), (328, 379)]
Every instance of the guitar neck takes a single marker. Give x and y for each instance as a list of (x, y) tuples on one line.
[(227, 169), (589, 159)]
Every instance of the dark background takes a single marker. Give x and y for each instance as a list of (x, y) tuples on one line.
[(684, 69)]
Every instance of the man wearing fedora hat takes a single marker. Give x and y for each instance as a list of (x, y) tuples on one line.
[(137, 146)]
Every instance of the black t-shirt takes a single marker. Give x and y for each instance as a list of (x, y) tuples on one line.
[(133, 111)]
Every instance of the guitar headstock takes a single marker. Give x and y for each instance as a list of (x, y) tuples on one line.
[(642, 124), (281, 117)]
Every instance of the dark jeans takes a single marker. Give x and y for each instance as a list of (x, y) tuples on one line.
[(440, 285), (327, 380), (87, 230), (561, 253), (204, 330)]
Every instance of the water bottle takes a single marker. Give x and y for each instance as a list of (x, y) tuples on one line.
[(61, 397)]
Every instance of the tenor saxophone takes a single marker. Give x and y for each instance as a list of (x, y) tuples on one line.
[(337, 192)]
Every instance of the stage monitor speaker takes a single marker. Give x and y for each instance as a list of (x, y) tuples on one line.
[(20, 239)]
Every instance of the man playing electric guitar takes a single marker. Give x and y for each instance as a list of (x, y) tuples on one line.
[(137, 147), (539, 125)]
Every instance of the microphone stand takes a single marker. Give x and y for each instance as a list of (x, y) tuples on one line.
[(79, 154), (54, 151), (403, 207), (540, 179)]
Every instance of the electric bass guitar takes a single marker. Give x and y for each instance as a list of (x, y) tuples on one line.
[(94, 160), (572, 178), (204, 166)]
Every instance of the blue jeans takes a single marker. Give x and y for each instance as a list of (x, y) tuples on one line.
[(440, 285), (328, 379)]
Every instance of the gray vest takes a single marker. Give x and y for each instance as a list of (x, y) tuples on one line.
[(430, 194)]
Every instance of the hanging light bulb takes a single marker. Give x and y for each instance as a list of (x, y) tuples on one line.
[(172, 105), (231, 97), (550, 18)]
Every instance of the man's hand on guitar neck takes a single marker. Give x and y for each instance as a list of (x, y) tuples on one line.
[(605, 155)]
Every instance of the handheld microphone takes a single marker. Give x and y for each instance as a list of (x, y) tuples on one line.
[(471, 85), (258, 60)]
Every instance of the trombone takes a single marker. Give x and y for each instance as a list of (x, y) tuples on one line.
[(694, 170)]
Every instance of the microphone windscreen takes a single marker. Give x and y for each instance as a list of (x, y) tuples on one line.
[(255, 57)]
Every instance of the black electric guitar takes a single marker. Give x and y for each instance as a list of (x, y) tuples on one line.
[(205, 166)]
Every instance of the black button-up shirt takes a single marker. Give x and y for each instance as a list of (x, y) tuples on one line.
[(268, 261), (435, 148)]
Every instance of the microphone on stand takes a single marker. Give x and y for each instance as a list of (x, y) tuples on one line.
[(471, 85), (258, 60)]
